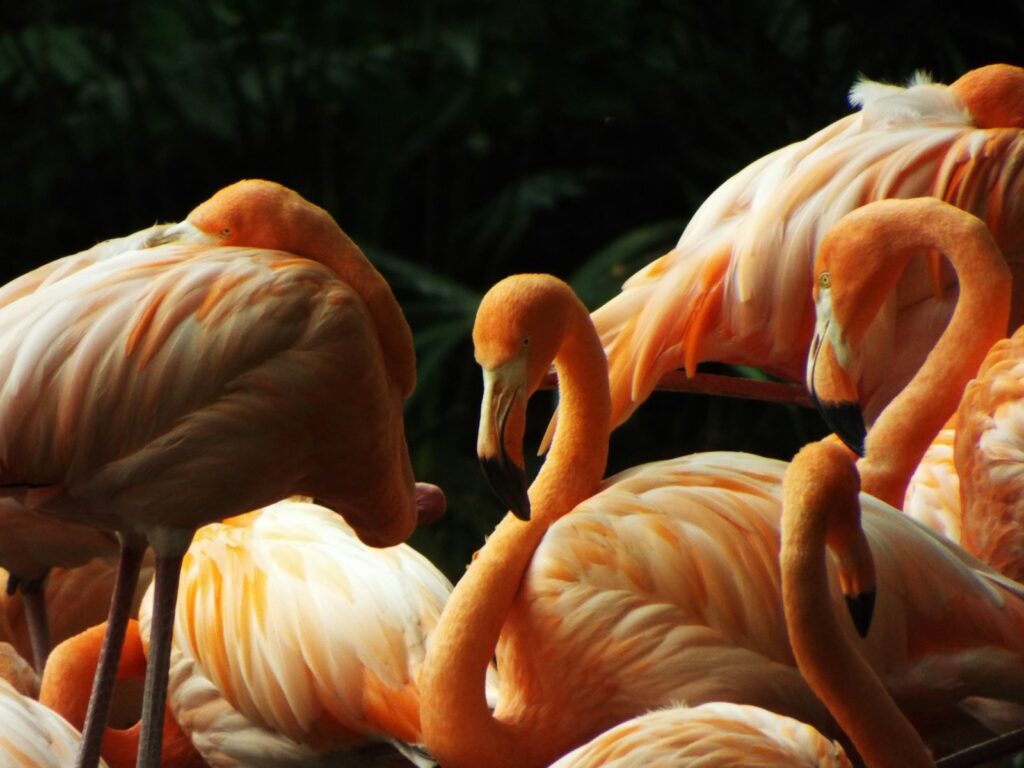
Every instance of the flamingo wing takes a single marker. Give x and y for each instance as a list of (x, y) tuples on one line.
[(96, 395), (736, 288), (294, 640), (664, 587)]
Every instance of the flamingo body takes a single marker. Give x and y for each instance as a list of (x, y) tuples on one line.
[(665, 587), (662, 583), (323, 664), (711, 735), (736, 288), (107, 423)]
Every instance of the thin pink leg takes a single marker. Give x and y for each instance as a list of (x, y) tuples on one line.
[(38, 624), (132, 550), (154, 697)]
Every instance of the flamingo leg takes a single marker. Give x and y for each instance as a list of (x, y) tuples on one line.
[(154, 697), (38, 624), (132, 550)]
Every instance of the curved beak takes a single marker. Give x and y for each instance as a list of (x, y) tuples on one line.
[(184, 232), (500, 439), (834, 394), (857, 581)]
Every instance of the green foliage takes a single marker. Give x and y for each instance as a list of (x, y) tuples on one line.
[(458, 142)]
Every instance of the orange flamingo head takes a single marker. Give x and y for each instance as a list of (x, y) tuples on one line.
[(994, 95), (255, 213), (820, 491), (519, 328)]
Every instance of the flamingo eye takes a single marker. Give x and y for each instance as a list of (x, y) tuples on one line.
[(226, 232), (824, 280)]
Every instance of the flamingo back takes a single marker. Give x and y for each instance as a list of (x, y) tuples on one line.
[(736, 288), (294, 639)]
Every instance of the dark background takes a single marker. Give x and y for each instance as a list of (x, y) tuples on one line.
[(457, 142)]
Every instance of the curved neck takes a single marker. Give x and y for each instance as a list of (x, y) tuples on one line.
[(903, 431), (825, 654), (458, 728), (67, 681), (338, 252)]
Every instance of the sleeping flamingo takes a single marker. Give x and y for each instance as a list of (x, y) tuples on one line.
[(736, 287), (820, 503), (295, 644), (152, 392), (661, 584)]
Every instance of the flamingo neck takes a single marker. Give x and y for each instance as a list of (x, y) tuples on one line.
[(906, 427), (338, 252), (825, 654), (67, 681), (458, 728)]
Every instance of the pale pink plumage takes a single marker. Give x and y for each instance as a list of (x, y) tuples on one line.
[(933, 494), (664, 587), (736, 288), (296, 644), (715, 735)]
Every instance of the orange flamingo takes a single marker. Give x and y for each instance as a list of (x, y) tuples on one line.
[(909, 459), (662, 583), (858, 266), (820, 504), (736, 287), (821, 511), (151, 392), (322, 665), (65, 690)]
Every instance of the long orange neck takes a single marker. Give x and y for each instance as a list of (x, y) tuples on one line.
[(905, 428), (458, 728), (67, 681), (825, 654)]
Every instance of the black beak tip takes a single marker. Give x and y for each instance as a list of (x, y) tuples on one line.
[(509, 484), (861, 608), (847, 421)]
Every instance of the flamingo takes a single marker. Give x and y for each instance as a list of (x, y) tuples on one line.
[(321, 667), (661, 584), (151, 392), (736, 288), (856, 270), (909, 451), (65, 690), (820, 504)]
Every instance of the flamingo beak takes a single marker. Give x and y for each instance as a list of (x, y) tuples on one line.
[(184, 232), (834, 394), (857, 582), (500, 439)]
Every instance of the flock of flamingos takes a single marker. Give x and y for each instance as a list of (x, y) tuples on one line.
[(228, 391)]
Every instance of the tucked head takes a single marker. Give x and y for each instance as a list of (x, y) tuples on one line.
[(994, 95), (261, 214)]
